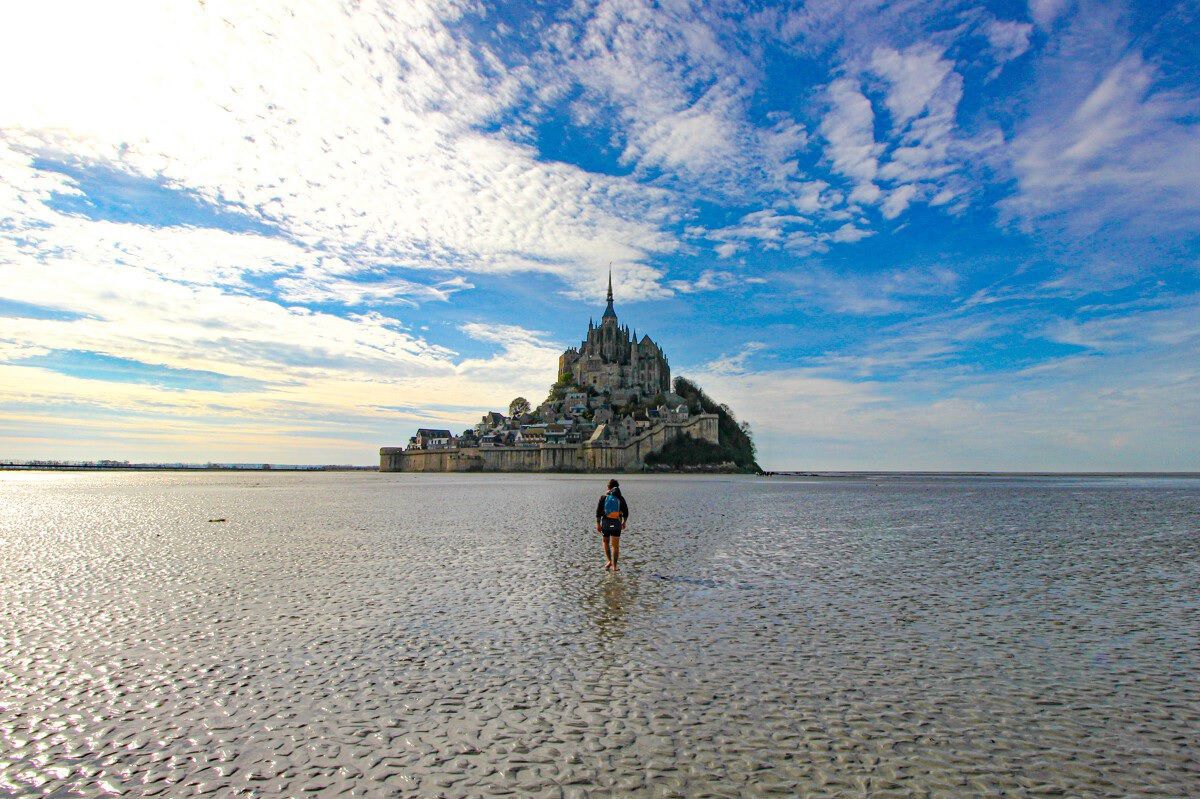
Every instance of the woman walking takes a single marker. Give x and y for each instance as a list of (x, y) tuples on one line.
[(612, 512)]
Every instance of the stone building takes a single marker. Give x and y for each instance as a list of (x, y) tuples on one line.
[(427, 438), (611, 409), (612, 360)]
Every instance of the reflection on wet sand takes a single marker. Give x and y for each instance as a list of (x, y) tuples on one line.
[(609, 604)]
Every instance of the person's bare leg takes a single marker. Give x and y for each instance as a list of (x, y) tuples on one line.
[(616, 550), (608, 556)]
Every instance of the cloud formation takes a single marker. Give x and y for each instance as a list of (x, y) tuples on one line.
[(322, 223)]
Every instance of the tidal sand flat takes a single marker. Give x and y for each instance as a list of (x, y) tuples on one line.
[(456, 635)]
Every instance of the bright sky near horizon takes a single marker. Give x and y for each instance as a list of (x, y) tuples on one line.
[(934, 235)]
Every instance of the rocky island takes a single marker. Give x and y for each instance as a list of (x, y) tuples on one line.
[(613, 408)]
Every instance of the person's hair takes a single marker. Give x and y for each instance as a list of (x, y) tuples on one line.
[(613, 484)]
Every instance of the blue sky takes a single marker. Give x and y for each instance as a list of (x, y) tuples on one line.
[(945, 235)]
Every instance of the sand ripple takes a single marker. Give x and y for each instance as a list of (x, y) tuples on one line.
[(439, 635)]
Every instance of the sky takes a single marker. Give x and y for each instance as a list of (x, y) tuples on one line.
[(890, 235)]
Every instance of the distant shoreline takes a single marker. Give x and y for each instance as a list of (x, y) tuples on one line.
[(816, 474), (136, 467), (929, 473)]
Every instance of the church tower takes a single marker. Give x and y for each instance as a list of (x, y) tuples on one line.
[(612, 360), (610, 315)]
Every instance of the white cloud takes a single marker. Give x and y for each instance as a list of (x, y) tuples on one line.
[(849, 233), (923, 96), (711, 280), (526, 358), (920, 157), (897, 201), (769, 229), (1045, 12), (1009, 40), (353, 129), (318, 286), (681, 84), (733, 364), (179, 298), (849, 128), (813, 196), (914, 75), (765, 228)]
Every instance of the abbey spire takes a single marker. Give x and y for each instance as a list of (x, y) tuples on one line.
[(609, 313)]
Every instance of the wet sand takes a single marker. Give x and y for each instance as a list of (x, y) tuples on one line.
[(442, 635)]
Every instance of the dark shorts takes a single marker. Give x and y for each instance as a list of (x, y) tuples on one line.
[(610, 527)]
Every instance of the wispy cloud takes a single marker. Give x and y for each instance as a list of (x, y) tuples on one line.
[(849, 129), (1108, 415), (888, 292), (681, 82), (1170, 324), (1111, 154), (1009, 39)]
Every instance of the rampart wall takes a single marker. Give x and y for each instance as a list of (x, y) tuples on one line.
[(550, 457)]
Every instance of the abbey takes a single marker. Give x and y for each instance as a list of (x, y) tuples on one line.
[(611, 408), (612, 361)]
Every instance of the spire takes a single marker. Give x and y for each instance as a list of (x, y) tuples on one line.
[(608, 311)]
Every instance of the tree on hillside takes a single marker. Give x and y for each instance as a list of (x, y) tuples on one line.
[(735, 439), (749, 434), (518, 407)]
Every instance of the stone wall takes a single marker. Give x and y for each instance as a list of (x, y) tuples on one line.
[(551, 457)]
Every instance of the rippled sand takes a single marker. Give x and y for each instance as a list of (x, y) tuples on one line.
[(441, 635)]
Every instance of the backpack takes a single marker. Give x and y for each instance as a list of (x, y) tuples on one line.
[(612, 506)]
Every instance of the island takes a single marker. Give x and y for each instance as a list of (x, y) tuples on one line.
[(613, 408)]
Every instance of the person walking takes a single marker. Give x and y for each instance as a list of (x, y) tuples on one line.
[(612, 513)]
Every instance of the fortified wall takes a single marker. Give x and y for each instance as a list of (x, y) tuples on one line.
[(550, 457)]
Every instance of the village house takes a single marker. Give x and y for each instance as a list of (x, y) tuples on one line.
[(430, 438)]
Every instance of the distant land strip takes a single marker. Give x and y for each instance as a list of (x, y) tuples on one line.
[(108, 465)]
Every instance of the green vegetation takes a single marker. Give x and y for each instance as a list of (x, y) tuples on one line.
[(563, 386), (688, 451), (518, 407), (737, 444)]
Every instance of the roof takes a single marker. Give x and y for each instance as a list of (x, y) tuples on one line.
[(429, 432)]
